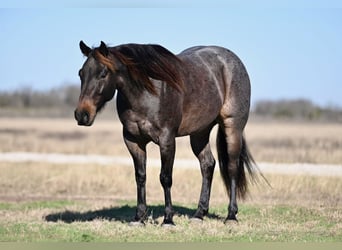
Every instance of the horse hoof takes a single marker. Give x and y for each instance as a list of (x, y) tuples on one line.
[(136, 224), (196, 220)]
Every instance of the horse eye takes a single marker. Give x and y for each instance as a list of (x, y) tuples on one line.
[(103, 73)]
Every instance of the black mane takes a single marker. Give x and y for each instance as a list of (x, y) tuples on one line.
[(150, 61)]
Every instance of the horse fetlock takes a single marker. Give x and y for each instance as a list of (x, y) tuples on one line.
[(203, 208), (233, 208), (141, 213), (168, 222), (232, 212)]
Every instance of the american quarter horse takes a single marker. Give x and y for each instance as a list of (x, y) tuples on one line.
[(161, 96)]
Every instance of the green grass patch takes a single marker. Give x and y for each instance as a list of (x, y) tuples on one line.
[(57, 222)]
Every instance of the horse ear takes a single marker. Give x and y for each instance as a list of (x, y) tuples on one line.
[(84, 48), (103, 49)]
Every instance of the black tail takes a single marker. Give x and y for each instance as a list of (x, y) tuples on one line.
[(245, 161)]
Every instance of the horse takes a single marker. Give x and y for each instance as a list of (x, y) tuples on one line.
[(161, 96)]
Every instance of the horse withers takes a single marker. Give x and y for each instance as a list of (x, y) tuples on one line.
[(161, 96)]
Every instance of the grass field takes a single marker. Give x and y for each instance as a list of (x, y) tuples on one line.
[(268, 142), (40, 202), (72, 202)]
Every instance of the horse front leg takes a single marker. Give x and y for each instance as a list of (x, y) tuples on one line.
[(167, 146), (137, 150)]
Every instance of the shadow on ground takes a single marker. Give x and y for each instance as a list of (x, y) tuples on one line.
[(123, 213)]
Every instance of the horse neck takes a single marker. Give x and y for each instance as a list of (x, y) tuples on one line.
[(130, 96)]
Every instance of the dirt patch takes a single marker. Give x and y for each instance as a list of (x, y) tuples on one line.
[(74, 135), (278, 168)]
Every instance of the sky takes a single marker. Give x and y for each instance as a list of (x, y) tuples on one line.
[(289, 52)]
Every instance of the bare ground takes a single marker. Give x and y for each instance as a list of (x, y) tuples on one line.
[(278, 168)]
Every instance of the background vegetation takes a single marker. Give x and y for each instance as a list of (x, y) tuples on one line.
[(60, 102), (297, 109)]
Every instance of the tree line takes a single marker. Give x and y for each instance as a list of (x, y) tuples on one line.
[(296, 109), (61, 102), (28, 98)]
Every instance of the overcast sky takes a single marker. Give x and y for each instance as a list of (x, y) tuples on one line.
[(289, 52)]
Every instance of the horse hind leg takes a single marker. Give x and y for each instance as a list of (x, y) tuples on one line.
[(229, 146), (201, 148)]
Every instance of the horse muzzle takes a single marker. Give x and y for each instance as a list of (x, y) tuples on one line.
[(83, 118)]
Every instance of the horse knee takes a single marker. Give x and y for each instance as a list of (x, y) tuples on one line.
[(208, 166), (165, 180)]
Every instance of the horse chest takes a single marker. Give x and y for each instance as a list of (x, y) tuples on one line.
[(141, 127)]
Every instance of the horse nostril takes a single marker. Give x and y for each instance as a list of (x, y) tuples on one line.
[(82, 117), (85, 117)]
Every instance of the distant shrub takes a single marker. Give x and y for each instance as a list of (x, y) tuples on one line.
[(300, 109), (62, 101), (57, 102)]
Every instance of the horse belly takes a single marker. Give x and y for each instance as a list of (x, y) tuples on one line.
[(199, 115)]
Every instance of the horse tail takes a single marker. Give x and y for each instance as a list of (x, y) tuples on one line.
[(245, 161)]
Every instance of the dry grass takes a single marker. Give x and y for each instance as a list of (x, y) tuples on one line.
[(269, 142), (296, 142), (46, 202), (40, 202), (60, 136), (30, 181)]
